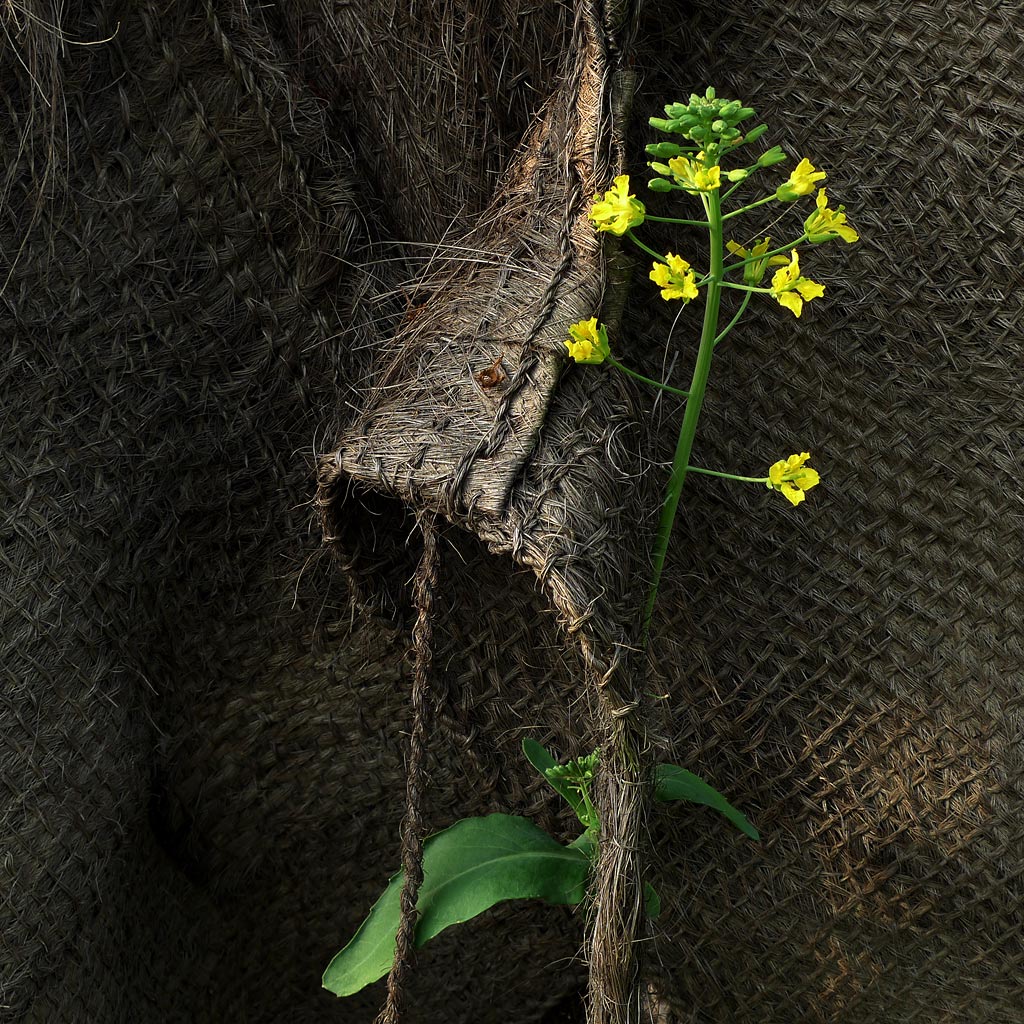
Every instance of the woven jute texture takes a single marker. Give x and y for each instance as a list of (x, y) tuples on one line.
[(256, 262)]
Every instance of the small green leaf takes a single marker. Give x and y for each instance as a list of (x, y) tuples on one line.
[(675, 783), (538, 756), (543, 761), (586, 843), (652, 901), (467, 869)]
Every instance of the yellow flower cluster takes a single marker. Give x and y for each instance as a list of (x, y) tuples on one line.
[(824, 224), (694, 174), (618, 211), (753, 272), (588, 342), (800, 183), (675, 278), (791, 290), (791, 477)]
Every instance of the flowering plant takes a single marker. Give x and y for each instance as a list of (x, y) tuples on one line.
[(709, 133), (478, 862)]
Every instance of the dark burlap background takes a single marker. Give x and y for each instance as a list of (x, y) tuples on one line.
[(213, 223)]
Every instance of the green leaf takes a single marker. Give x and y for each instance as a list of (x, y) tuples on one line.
[(538, 756), (467, 869), (586, 843), (675, 783), (542, 761), (652, 901)]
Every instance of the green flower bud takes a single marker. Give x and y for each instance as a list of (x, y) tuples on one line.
[(718, 126), (695, 99), (772, 157), (730, 108), (730, 133), (738, 175), (660, 168), (699, 132), (659, 185), (662, 125), (755, 133), (710, 93), (744, 112), (664, 150)]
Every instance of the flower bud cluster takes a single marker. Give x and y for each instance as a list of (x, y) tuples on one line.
[(708, 121)]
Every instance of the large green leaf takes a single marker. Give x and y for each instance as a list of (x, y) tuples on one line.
[(675, 783), (466, 869)]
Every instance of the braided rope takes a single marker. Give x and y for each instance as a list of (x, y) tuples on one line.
[(424, 585)]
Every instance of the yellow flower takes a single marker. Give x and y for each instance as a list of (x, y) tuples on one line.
[(675, 278), (790, 477), (789, 288), (801, 182), (694, 174), (588, 342), (618, 211), (753, 272), (824, 224)]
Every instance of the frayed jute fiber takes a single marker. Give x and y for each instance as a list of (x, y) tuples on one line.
[(283, 290)]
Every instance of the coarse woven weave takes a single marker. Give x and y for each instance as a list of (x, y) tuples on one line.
[(234, 241)]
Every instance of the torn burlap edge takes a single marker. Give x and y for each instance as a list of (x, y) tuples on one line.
[(471, 417)]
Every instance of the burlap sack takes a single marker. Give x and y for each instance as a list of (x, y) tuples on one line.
[(244, 246)]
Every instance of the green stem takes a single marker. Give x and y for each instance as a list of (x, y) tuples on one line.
[(646, 380), (678, 220), (729, 476), (752, 206), (688, 429), (647, 249), (733, 189), (732, 323), (746, 288), (591, 812)]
